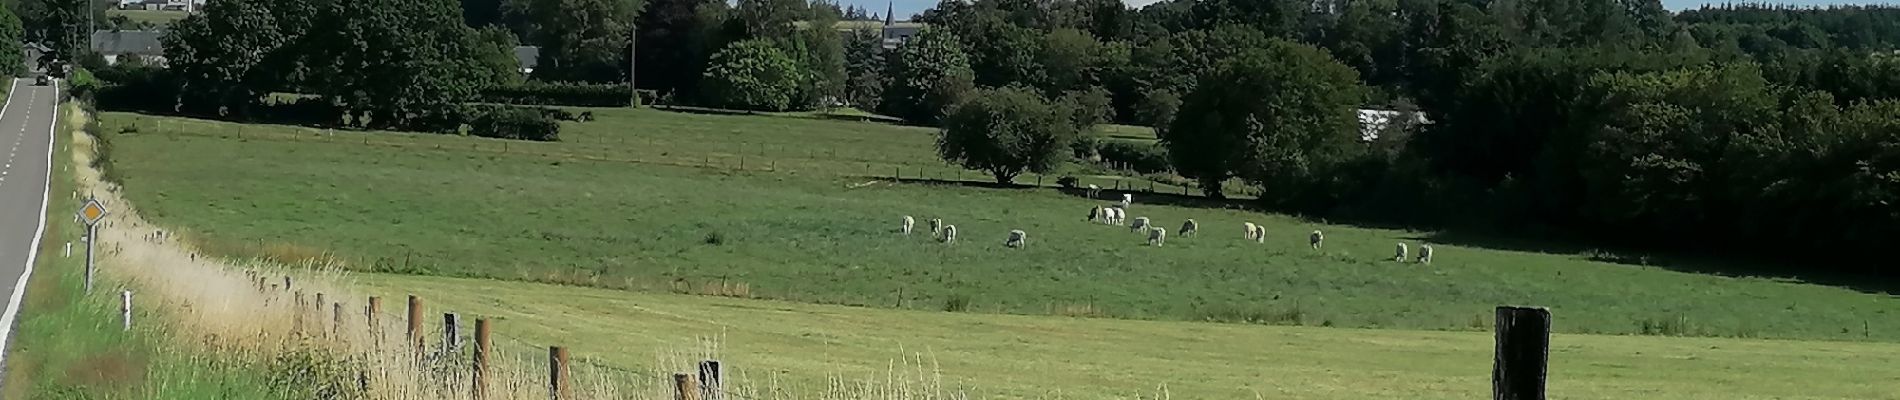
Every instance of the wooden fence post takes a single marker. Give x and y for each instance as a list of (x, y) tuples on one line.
[(286, 282), (685, 388), (481, 359), (711, 380), (320, 304), (451, 332), (375, 307), (1523, 353), (415, 323), (558, 385), (336, 324)]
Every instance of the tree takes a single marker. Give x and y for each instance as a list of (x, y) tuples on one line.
[(864, 70), (1068, 60), (1278, 117), (11, 36), (1157, 110), (771, 19), (582, 40), (753, 75), (820, 53), (676, 38), (1087, 108), (928, 74), (1006, 132), (217, 55), (395, 61)]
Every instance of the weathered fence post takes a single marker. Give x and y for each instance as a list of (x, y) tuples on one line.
[(375, 307), (415, 323), (286, 282), (451, 338), (125, 309), (336, 323), (711, 380), (558, 385), (481, 359), (1523, 353), (685, 388)]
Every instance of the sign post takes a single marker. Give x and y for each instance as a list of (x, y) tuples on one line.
[(91, 213)]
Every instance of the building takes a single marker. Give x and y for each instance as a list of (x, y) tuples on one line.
[(159, 5), (526, 58), (894, 33), (117, 45)]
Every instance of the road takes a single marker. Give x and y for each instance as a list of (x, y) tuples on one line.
[(26, 140)]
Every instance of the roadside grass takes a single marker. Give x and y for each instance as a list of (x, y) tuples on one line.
[(626, 204), (70, 345), (999, 356)]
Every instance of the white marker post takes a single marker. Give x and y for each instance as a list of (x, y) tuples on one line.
[(69, 249), (91, 213), (125, 309)]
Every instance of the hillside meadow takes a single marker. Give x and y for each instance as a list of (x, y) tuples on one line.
[(804, 210)]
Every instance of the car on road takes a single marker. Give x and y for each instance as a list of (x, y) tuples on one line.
[(43, 80)]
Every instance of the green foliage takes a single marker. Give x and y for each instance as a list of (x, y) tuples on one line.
[(864, 69), (559, 94), (1279, 117), (1087, 108), (396, 60), (753, 75), (676, 37), (1157, 110), (1140, 157), (582, 40), (522, 123), (1068, 59), (220, 55), (928, 74), (12, 35), (1005, 132)]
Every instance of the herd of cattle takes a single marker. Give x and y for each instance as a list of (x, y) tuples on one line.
[(1117, 214)]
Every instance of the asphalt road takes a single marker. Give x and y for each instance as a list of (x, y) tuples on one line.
[(26, 147)]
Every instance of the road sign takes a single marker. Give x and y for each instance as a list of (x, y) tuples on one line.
[(92, 212)]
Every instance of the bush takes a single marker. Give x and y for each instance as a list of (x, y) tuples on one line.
[(1140, 157), (561, 94), (514, 123), (753, 75)]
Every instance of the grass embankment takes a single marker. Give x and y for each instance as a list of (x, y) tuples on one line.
[(606, 209), (992, 356), (155, 17), (68, 344)]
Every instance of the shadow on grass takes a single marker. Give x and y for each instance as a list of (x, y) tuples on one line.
[(1718, 260)]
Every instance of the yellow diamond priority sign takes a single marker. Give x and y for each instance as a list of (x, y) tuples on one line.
[(92, 212)]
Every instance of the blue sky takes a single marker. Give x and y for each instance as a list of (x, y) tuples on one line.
[(906, 8)]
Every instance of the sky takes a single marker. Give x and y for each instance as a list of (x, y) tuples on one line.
[(906, 8)]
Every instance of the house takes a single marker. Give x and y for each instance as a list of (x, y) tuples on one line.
[(117, 45), (1372, 122), (526, 58), (893, 33)]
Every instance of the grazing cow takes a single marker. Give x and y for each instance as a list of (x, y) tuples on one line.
[(1158, 236), (1116, 215), (1188, 228), (1316, 239), (936, 225), (1140, 223), (1252, 231), (1095, 191), (1017, 239), (1097, 212), (908, 222), (1400, 257), (1127, 199), (1425, 254), (949, 234)]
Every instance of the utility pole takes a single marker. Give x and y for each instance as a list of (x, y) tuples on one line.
[(633, 85)]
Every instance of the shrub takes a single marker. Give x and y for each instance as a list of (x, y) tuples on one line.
[(753, 75), (560, 94), (1140, 157), (514, 123)]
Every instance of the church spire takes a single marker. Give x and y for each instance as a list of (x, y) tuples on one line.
[(890, 13)]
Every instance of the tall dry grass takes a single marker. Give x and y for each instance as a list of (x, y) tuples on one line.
[(219, 308)]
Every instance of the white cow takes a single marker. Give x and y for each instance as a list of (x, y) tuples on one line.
[(950, 234), (908, 222), (1140, 223), (1017, 239), (1188, 228), (1425, 254), (1116, 215), (1252, 231), (1095, 191), (1158, 236), (1316, 239), (1127, 199), (1400, 256)]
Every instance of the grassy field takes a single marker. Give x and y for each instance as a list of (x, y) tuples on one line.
[(154, 17), (626, 203), (800, 346)]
